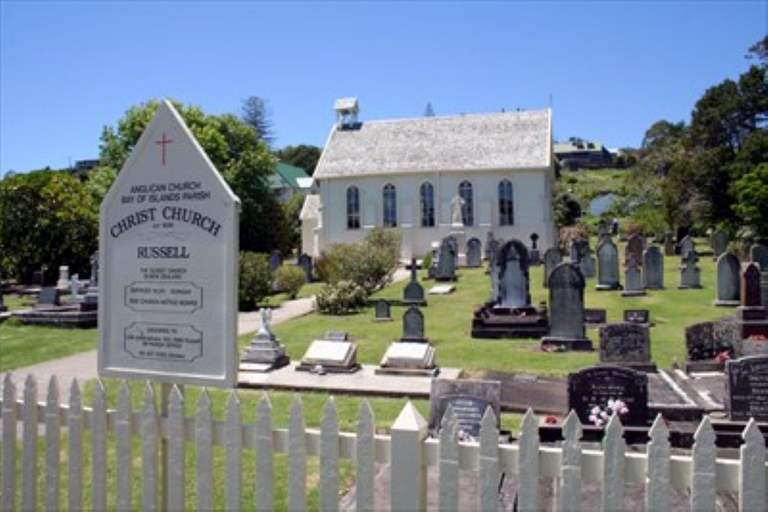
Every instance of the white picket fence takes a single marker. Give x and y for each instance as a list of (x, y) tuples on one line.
[(407, 449)]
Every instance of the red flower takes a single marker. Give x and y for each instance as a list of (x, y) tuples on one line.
[(550, 420)]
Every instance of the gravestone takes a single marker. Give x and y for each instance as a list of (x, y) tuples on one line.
[(383, 310), (595, 317), (446, 261), (747, 388), (552, 258), (327, 356), (607, 267), (653, 268), (669, 244), (474, 254), (577, 250), (453, 242), (510, 314), (686, 247), (758, 253), (588, 263), (637, 316), (265, 353), (49, 296), (602, 233), (337, 336), (493, 255), (596, 386), (413, 326), (719, 243), (534, 256), (74, 290), (705, 341), (469, 400), (275, 260), (168, 235), (750, 315), (728, 286), (633, 252), (414, 292), (690, 276), (305, 262), (626, 344), (566, 304), (633, 280), (63, 281)]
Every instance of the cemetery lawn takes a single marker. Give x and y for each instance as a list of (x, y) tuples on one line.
[(25, 345), (448, 322)]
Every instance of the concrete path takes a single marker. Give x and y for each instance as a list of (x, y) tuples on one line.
[(83, 366)]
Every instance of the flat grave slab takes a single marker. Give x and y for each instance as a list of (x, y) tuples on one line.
[(363, 382), (442, 289)]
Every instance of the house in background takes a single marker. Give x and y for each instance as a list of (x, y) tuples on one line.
[(581, 154), (412, 173), (289, 180)]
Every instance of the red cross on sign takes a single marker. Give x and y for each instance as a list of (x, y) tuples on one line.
[(164, 142)]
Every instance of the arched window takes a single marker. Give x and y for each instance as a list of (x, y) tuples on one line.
[(353, 208), (427, 193), (390, 206), (506, 204), (468, 208)]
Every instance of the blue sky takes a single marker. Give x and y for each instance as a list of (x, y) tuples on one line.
[(67, 69)]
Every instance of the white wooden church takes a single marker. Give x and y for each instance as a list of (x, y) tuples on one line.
[(494, 171)]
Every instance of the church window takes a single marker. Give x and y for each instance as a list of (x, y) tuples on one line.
[(353, 208), (506, 204), (427, 205), (390, 206), (468, 207)]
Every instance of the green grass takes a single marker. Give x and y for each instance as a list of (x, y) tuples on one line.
[(17, 302), (588, 184), (25, 345)]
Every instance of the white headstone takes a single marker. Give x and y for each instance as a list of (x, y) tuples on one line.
[(168, 249)]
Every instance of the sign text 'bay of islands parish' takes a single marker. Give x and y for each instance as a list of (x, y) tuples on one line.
[(168, 244)]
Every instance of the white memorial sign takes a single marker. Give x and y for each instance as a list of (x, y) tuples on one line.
[(168, 249)]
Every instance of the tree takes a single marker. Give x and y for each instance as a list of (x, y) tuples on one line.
[(752, 199), (258, 115), (304, 156), (49, 220), (234, 149), (759, 51)]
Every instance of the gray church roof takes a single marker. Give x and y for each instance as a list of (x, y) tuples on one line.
[(508, 140)]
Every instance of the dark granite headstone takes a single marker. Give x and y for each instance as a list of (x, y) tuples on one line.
[(275, 260), (607, 266), (706, 340), (719, 243), (534, 255), (750, 286), (653, 268), (637, 316), (336, 336), (751, 315), (474, 254), (728, 269), (469, 400), (566, 306), (413, 325), (49, 296), (552, 258), (594, 387), (747, 388), (759, 254), (383, 311), (626, 344), (588, 263), (446, 260), (633, 279), (633, 252), (414, 292), (305, 262), (595, 316)]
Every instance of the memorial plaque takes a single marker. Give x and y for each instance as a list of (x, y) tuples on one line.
[(747, 388), (595, 316), (168, 249), (637, 316), (625, 343), (469, 400), (595, 387), (327, 352)]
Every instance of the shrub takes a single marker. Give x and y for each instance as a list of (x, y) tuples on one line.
[(341, 298), (290, 279), (255, 279)]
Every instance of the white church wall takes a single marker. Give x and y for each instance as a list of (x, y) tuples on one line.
[(532, 207)]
